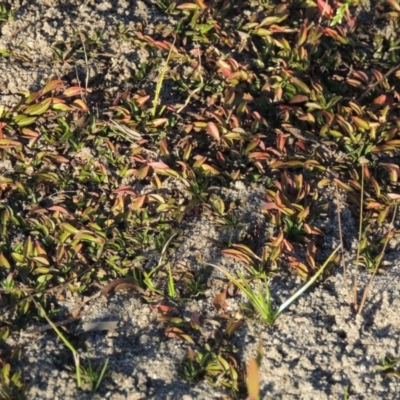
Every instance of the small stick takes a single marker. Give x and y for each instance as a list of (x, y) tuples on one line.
[(86, 61), (372, 85)]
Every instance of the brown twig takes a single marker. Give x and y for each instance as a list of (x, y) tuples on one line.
[(372, 85)]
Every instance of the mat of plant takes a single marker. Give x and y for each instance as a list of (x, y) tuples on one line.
[(198, 199)]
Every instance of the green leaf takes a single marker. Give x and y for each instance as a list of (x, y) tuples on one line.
[(38, 109), (23, 120)]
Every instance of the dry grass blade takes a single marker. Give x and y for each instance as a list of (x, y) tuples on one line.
[(127, 133), (378, 263)]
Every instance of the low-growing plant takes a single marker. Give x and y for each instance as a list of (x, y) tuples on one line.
[(390, 367), (364, 248), (261, 299)]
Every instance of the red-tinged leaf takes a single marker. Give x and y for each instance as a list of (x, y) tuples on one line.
[(287, 164), (237, 255), (360, 123), (162, 308), (8, 143), (137, 204), (177, 333), (226, 72), (59, 159), (354, 82), (383, 148), (200, 160), (302, 34), (188, 7), (39, 250), (61, 107), (41, 260), (124, 190), (300, 98), (60, 209), (325, 9), (213, 131), (395, 142), (23, 120), (158, 165), (312, 230), (393, 171), (246, 250), (201, 4), (74, 91), (270, 206), (301, 268), (276, 242), (362, 76), (4, 262), (159, 121), (80, 105), (393, 196), (373, 205), (52, 85), (30, 134), (258, 155), (221, 159), (278, 199), (211, 169), (380, 100), (164, 147), (343, 186)]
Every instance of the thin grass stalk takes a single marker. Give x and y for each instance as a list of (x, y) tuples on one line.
[(101, 376), (171, 284), (65, 341), (342, 260), (86, 61), (355, 282), (368, 287), (161, 80), (308, 284)]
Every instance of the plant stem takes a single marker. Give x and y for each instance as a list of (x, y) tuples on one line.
[(308, 284), (355, 283), (342, 260), (368, 287), (161, 80)]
